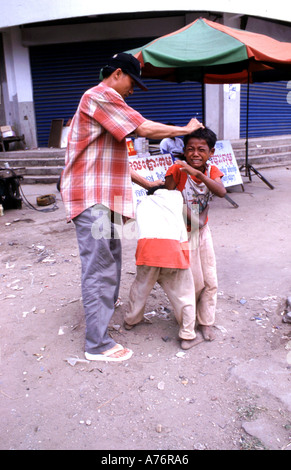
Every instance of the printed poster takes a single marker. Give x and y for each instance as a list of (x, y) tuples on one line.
[(154, 167), (151, 167), (225, 160)]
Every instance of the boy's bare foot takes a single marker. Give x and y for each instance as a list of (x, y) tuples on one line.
[(127, 326), (189, 343), (207, 332)]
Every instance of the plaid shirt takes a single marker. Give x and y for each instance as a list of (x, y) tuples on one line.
[(96, 164)]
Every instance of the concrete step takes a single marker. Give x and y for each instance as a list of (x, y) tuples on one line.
[(40, 179), (33, 162), (38, 174), (265, 159), (261, 166), (43, 170), (34, 153), (263, 151), (58, 161), (262, 141), (44, 165)]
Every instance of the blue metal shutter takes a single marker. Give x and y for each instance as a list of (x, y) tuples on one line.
[(269, 110), (62, 73), (169, 102)]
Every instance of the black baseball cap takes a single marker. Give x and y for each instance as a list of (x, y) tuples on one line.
[(128, 64)]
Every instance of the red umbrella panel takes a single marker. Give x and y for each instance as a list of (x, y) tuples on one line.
[(209, 52), (213, 53)]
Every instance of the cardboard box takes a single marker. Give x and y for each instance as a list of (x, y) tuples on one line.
[(6, 131)]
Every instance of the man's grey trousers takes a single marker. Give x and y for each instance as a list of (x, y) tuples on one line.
[(100, 254)]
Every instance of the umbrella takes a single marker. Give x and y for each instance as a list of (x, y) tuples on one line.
[(209, 52)]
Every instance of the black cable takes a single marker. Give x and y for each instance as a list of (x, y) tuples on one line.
[(49, 209)]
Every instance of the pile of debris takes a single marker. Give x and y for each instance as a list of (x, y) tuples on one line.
[(287, 315)]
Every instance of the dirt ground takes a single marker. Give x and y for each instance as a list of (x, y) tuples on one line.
[(230, 394)]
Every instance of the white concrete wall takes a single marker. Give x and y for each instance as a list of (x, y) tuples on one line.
[(17, 12), (125, 29), (213, 109), (222, 102), (222, 112), (19, 108)]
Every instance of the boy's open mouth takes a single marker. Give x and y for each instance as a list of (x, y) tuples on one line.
[(196, 161)]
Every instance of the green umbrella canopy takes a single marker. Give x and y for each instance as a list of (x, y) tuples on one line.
[(213, 53)]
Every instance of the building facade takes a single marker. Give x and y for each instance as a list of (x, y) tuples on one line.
[(51, 52)]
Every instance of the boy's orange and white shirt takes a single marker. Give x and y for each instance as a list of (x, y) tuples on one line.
[(162, 233)]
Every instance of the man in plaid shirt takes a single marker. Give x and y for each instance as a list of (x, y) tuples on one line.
[(96, 182)]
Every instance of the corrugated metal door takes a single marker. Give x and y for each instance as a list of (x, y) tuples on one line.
[(269, 110), (62, 73)]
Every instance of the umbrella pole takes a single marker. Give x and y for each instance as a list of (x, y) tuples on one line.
[(248, 173), (249, 168), (203, 102)]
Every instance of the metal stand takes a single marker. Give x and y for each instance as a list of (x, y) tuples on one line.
[(231, 201), (249, 168)]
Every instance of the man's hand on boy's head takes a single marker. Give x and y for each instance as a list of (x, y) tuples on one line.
[(193, 125)]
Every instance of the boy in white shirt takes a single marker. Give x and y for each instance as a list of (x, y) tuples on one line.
[(162, 256)]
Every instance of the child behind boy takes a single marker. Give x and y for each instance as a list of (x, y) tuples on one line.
[(162, 256), (196, 179)]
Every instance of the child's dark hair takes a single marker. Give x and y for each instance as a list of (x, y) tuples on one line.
[(202, 133), (154, 189)]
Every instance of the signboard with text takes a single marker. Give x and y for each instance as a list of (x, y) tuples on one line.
[(225, 160), (154, 167), (151, 167)]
